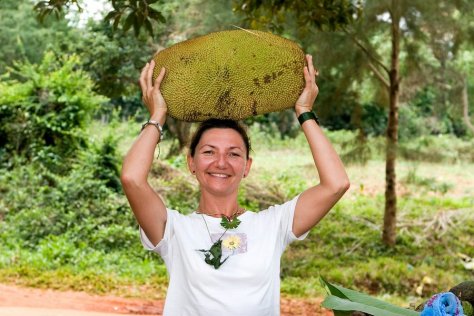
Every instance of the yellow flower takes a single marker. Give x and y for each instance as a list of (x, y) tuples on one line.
[(232, 242)]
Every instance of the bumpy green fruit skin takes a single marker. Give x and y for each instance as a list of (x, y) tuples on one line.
[(230, 75)]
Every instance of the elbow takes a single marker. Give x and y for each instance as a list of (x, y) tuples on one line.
[(126, 180), (346, 184), (341, 187), (129, 180)]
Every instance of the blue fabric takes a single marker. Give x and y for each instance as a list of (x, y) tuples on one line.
[(443, 304)]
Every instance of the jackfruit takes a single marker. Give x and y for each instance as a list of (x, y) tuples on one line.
[(230, 75)]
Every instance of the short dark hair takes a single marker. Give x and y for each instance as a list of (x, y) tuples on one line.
[(218, 123)]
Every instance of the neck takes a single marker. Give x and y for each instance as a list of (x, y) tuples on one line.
[(218, 206)]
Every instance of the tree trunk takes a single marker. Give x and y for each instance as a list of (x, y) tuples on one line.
[(182, 132), (390, 216), (465, 105)]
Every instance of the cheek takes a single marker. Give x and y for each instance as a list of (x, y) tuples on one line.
[(201, 164), (239, 166)]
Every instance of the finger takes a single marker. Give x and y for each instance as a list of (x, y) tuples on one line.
[(159, 78), (149, 75), (307, 77), (142, 79), (309, 60)]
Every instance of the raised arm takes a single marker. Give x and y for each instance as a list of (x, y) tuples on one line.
[(146, 204), (315, 202)]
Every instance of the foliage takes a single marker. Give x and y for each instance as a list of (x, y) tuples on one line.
[(423, 116), (77, 203), (45, 8), (282, 123), (106, 161), (114, 61), (139, 14), (42, 118), (132, 13), (429, 183), (440, 148), (342, 301), (24, 39), (192, 18), (321, 14)]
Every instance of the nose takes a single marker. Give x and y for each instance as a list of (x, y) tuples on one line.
[(221, 161)]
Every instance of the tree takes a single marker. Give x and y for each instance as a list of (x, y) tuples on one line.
[(452, 40), (22, 37), (114, 60), (127, 13), (403, 22)]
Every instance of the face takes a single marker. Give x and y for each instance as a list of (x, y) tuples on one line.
[(220, 161)]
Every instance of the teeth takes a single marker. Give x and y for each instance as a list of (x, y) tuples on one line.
[(220, 175)]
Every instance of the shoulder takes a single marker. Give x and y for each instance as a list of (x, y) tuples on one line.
[(278, 209), (175, 216)]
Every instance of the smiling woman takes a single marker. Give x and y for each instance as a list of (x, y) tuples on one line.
[(219, 157), (223, 259)]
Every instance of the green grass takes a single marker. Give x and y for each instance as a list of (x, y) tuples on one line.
[(435, 217)]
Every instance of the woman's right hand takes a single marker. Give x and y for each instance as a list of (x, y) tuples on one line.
[(151, 94)]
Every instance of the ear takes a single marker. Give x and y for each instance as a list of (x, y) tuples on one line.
[(247, 167), (190, 161)]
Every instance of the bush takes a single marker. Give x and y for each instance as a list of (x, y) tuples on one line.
[(38, 203), (440, 148), (42, 118)]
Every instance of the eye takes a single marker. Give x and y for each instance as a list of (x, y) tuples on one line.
[(208, 152), (233, 154)]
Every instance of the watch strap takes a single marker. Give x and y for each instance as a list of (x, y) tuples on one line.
[(303, 117)]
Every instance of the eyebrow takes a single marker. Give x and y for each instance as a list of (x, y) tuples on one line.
[(212, 146)]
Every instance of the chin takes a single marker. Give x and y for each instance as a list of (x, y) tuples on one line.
[(220, 190)]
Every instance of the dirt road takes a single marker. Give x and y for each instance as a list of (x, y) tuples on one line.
[(20, 301)]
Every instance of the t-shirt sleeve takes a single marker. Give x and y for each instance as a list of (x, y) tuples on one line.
[(162, 248), (282, 215), (286, 212)]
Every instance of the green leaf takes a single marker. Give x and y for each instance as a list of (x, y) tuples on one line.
[(331, 289), (383, 309), (149, 27), (129, 21), (342, 299), (136, 26), (117, 21), (110, 15), (234, 223), (156, 6), (214, 254), (160, 17)]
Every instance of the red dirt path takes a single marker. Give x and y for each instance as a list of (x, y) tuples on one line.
[(14, 296)]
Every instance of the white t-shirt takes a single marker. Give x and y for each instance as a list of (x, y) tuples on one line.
[(247, 284)]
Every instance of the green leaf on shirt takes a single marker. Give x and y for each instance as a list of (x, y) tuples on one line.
[(230, 224), (214, 254)]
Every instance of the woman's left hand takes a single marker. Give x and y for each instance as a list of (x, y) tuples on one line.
[(310, 92)]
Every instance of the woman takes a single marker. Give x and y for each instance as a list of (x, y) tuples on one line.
[(222, 259)]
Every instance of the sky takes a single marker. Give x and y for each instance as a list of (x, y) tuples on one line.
[(91, 9)]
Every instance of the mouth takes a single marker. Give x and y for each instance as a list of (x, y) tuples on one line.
[(219, 175)]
